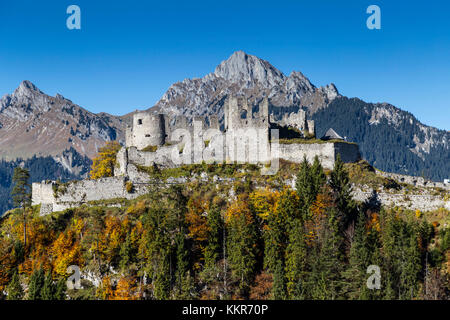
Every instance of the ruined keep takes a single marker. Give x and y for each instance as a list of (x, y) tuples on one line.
[(249, 134)]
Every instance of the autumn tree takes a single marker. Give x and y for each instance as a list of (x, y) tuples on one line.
[(104, 163)]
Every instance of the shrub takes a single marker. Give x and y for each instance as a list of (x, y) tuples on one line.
[(129, 186)]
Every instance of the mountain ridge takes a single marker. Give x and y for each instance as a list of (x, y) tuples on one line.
[(29, 109)]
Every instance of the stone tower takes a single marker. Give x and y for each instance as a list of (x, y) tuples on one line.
[(148, 130)]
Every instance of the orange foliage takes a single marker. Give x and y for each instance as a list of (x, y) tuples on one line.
[(262, 288), (124, 290), (196, 219), (374, 222)]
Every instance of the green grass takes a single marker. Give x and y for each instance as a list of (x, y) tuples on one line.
[(150, 149), (311, 141)]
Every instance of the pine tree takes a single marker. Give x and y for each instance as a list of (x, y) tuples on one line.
[(242, 245), (48, 290), (279, 282), (326, 261), (281, 223), (35, 286), (14, 289), (341, 187), (305, 187), (359, 260), (21, 194), (318, 176), (213, 247), (296, 254), (182, 267), (125, 253), (162, 277), (60, 291)]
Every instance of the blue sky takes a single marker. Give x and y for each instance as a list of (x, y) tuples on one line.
[(128, 53)]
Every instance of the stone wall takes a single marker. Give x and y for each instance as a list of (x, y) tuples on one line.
[(327, 152), (409, 201), (296, 151), (415, 181), (77, 193), (42, 192)]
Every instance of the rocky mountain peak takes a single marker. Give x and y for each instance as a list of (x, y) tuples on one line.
[(249, 69), (26, 88)]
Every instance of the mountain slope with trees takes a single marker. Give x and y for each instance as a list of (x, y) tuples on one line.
[(230, 241), (390, 139)]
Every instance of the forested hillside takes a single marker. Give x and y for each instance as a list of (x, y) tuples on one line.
[(211, 240), (390, 139)]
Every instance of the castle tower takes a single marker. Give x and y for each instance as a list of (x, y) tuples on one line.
[(264, 110), (214, 122), (148, 130), (232, 113)]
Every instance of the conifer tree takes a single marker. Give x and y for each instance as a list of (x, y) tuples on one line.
[(318, 176), (341, 187), (21, 194), (125, 252), (359, 260), (14, 289), (36, 284), (48, 289), (305, 187), (60, 290), (213, 247), (281, 223), (325, 261), (242, 244), (279, 282), (296, 255)]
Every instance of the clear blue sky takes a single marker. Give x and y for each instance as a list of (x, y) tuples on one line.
[(128, 53)]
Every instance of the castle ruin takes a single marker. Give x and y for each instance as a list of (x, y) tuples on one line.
[(248, 134)]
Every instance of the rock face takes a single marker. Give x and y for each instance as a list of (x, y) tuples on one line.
[(243, 75), (33, 123)]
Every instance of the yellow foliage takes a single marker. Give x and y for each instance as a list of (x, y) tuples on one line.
[(418, 214), (65, 252), (103, 165), (263, 202), (196, 219), (105, 291)]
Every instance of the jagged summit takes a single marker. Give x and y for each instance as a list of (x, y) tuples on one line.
[(241, 66), (32, 122), (26, 88), (244, 75)]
